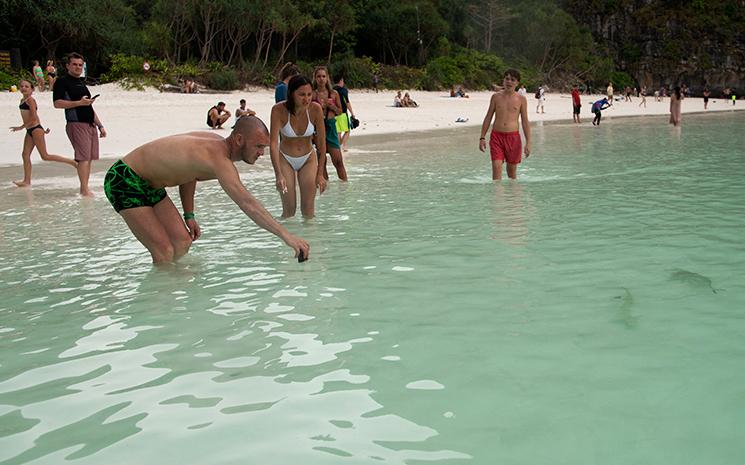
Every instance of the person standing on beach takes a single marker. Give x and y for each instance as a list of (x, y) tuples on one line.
[(597, 108), (295, 161), (343, 125), (34, 134), (38, 75), (507, 108), (135, 186), (707, 93), (522, 91), (71, 95), (609, 93), (675, 100), (541, 96), (576, 103), (288, 71), (330, 102), (643, 95), (51, 73)]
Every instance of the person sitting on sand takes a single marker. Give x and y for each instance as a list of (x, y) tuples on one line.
[(408, 102), (135, 186), (190, 87), (397, 100), (243, 111), (34, 134), (217, 115), (461, 93)]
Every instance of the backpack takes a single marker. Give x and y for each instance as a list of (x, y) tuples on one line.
[(538, 93)]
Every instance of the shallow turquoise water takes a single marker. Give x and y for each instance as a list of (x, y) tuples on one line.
[(591, 313)]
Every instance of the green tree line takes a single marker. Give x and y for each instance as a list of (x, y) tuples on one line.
[(419, 43)]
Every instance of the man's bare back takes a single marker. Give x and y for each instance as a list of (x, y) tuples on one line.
[(179, 159), (135, 187)]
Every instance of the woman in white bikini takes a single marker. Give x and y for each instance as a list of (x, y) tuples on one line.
[(34, 134), (296, 120)]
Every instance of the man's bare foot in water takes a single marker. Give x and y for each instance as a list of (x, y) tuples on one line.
[(21, 183)]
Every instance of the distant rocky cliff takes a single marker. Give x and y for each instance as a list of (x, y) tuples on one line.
[(659, 42)]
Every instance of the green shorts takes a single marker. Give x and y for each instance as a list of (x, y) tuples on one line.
[(332, 137), (126, 189), (342, 123)]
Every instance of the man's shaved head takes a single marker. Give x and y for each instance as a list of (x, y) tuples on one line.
[(249, 126), (250, 138)]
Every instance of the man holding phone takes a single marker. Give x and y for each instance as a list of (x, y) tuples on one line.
[(71, 94)]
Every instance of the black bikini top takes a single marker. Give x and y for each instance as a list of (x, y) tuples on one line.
[(24, 106)]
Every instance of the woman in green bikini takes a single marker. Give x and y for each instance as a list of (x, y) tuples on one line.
[(330, 102), (34, 134), (39, 75)]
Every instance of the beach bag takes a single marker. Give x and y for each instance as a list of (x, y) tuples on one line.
[(538, 94), (354, 122)]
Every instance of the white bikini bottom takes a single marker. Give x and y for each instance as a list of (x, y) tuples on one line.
[(297, 162)]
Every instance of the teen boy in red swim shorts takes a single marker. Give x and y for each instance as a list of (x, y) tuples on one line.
[(506, 107)]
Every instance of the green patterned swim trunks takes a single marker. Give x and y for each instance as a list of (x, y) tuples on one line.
[(126, 189)]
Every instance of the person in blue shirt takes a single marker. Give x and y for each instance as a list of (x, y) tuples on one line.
[(597, 107), (288, 71)]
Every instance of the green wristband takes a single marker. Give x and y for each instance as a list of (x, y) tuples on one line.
[(189, 216)]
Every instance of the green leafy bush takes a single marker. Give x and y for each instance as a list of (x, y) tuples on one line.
[(10, 78), (358, 72), (621, 80), (474, 69), (223, 79), (401, 77)]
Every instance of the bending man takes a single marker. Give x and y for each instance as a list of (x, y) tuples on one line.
[(135, 186)]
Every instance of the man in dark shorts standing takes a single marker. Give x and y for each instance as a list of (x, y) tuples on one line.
[(71, 94), (576, 103), (135, 186)]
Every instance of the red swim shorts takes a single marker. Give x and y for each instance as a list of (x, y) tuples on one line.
[(506, 146)]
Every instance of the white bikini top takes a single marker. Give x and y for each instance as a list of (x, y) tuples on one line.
[(288, 131)]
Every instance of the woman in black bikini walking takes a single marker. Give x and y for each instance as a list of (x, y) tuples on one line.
[(34, 134)]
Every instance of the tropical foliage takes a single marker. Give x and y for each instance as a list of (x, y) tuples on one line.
[(419, 43)]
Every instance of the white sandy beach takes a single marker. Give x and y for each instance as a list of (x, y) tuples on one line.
[(135, 117)]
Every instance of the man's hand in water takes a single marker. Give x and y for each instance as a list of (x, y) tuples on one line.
[(297, 245), (194, 230), (321, 183)]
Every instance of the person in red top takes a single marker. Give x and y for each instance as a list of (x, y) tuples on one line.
[(576, 103)]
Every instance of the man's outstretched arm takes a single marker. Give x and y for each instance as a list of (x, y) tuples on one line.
[(227, 176)]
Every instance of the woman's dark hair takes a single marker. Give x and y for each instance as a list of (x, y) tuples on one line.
[(677, 92), (295, 83)]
